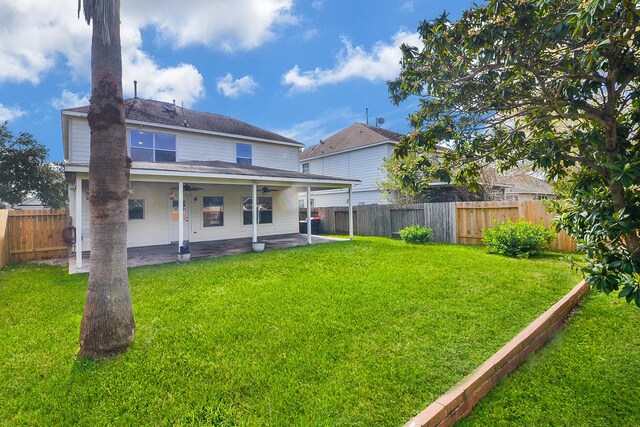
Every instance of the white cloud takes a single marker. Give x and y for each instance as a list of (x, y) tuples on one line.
[(38, 35), (310, 34), (233, 88), (317, 4), (70, 99), (407, 5), (382, 63), (222, 24), (7, 113)]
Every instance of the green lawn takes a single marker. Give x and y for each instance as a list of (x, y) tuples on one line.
[(362, 333), (588, 375)]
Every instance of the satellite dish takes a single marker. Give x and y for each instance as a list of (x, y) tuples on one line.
[(380, 120)]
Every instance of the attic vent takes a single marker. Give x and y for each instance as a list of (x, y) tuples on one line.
[(170, 107)]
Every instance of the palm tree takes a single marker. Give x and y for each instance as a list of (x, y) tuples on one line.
[(107, 322)]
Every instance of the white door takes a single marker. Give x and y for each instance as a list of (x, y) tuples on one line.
[(174, 215)]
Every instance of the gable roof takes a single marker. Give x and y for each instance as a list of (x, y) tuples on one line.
[(164, 113), (355, 136), (525, 184)]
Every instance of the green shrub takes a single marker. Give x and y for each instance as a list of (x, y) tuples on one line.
[(416, 234), (519, 239)]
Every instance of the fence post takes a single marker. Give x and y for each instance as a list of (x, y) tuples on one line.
[(4, 237)]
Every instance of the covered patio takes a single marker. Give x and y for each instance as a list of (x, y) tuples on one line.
[(162, 254), (226, 207)]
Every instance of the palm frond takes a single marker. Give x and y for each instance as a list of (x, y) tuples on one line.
[(103, 14)]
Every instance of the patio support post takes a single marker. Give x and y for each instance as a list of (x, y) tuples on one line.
[(254, 211), (78, 220), (309, 215), (350, 212), (180, 215)]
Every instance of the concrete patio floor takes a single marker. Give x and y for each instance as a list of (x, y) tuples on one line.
[(151, 255)]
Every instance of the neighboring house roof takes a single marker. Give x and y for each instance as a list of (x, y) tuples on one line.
[(221, 169), (355, 136), (164, 113), (30, 203), (525, 184)]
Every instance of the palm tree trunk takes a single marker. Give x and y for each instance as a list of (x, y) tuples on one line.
[(107, 323)]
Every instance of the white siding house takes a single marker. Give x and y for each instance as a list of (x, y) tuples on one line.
[(214, 166), (356, 152)]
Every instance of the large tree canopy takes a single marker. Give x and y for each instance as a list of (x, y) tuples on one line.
[(25, 171), (553, 82)]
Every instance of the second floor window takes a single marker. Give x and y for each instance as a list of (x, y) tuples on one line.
[(243, 154), (305, 168), (152, 147)]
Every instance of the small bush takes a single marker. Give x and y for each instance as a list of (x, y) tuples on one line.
[(416, 234), (519, 239)]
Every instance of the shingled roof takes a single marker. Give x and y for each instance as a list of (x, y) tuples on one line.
[(355, 136), (156, 112), (525, 184)]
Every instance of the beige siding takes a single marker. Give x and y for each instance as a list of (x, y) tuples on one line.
[(201, 147), (275, 156), (331, 198), (193, 147), (156, 227), (80, 137), (285, 214)]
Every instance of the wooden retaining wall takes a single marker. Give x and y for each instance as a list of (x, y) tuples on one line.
[(36, 234), (458, 402)]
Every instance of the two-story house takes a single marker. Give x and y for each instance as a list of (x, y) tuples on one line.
[(356, 152), (223, 173)]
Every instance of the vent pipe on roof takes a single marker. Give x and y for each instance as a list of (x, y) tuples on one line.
[(135, 89), (367, 113)]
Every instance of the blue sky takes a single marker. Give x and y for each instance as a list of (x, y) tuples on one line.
[(304, 69)]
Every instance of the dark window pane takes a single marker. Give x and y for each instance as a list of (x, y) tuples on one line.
[(247, 217), (141, 154), (165, 141), (141, 139), (266, 217), (163, 156), (265, 203), (242, 161), (136, 209), (212, 211), (305, 168)]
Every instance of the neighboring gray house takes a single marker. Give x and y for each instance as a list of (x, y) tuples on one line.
[(356, 152), (522, 186), (32, 203), (213, 166)]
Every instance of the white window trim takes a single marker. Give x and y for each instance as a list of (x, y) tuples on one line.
[(207, 227), (259, 223), (153, 150), (238, 157), (144, 210)]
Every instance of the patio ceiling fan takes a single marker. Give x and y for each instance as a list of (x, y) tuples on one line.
[(187, 187), (266, 189)]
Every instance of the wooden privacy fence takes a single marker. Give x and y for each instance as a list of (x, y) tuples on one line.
[(36, 234), (460, 222), (388, 220), (472, 217)]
